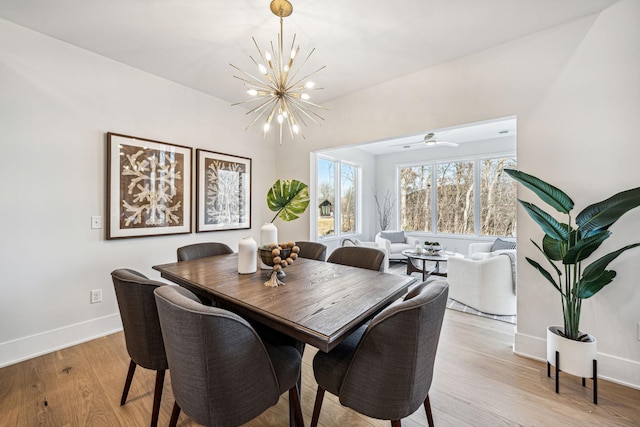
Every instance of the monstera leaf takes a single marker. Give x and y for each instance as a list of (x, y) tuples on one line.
[(288, 198)]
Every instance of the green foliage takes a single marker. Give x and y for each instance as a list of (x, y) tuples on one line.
[(288, 198), (566, 246)]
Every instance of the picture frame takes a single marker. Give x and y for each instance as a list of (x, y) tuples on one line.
[(148, 187), (223, 188)]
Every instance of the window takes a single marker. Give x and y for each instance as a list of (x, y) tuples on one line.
[(415, 198), (455, 198), (498, 200), (446, 201), (337, 197)]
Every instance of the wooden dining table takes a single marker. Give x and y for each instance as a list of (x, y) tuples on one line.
[(319, 304)]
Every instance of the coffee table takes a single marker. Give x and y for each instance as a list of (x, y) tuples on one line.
[(437, 258)]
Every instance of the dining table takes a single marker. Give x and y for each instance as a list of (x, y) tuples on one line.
[(320, 303)]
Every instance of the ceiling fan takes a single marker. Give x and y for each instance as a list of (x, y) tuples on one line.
[(429, 140)]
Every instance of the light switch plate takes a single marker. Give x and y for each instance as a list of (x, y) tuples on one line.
[(96, 221)]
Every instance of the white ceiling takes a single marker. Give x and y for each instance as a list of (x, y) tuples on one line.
[(361, 42), (490, 129)]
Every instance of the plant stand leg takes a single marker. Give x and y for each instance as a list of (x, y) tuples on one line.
[(557, 372), (595, 377), (595, 382)]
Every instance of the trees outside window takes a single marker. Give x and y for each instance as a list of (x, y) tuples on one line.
[(337, 197), (472, 197), (415, 198), (348, 182), (498, 201), (455, 198)]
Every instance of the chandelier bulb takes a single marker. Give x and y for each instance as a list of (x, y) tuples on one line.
[(310, 85), (262, 69), (252, 92), (280, 118), (305, 96), (266, 127)]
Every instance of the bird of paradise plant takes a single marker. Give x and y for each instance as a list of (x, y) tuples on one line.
[(566, 246)]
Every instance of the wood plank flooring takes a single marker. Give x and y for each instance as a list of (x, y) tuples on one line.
[(478, 382)]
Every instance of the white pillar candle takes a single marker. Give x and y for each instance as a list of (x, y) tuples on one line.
[(268, 235), (247, 256)]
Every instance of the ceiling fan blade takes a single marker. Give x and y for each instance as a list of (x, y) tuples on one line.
[(407, 143), (447, 143)]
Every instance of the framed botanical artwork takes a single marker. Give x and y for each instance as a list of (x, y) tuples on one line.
[(223, 185), (148, 187)]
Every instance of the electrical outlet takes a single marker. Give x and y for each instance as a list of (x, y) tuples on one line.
[(96, 221), (638, 331), (96, 296)]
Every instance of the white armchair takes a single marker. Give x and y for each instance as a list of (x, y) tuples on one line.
[(484, 280), (394, 242)]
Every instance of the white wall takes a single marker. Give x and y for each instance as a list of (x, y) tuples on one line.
[(576, 93), (56, 104)]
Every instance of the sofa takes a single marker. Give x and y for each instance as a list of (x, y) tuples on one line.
[(485, 279), (394, 242)]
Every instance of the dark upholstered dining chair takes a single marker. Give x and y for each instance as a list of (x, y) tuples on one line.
[(312, 250), (358, 256), (384, 369), (201, 250), (134, 292), (222, 373)]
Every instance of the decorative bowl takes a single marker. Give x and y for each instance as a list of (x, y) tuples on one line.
[(266, 254)]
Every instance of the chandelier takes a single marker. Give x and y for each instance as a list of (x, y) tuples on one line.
[(278, 90)]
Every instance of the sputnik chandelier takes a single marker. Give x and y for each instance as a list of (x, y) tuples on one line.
[(279, 91)]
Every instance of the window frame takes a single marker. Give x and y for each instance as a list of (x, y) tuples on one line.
[(477, 200), (337, 209)]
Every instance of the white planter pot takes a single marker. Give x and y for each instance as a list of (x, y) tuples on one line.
[(576, 357)]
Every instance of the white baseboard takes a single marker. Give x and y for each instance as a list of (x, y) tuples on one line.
[(610, 368), (46, 342)]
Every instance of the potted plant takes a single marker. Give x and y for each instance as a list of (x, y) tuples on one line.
[(566, 246), (432, 247)]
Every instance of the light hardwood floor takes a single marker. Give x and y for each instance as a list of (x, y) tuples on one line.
[(478, 382)]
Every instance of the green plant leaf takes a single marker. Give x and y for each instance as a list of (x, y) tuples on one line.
[(288, 198), (599, 265), (548, 223), (551, 195), (601, 215), (588, 288), (585, 247), (552, 248), (544, 273), (558, 272)]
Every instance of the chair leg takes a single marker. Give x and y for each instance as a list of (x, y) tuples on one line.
[(174, 415), (317, 406), (396, 423), (127, 383), (294, 399), (427, 408), (157, 396)]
